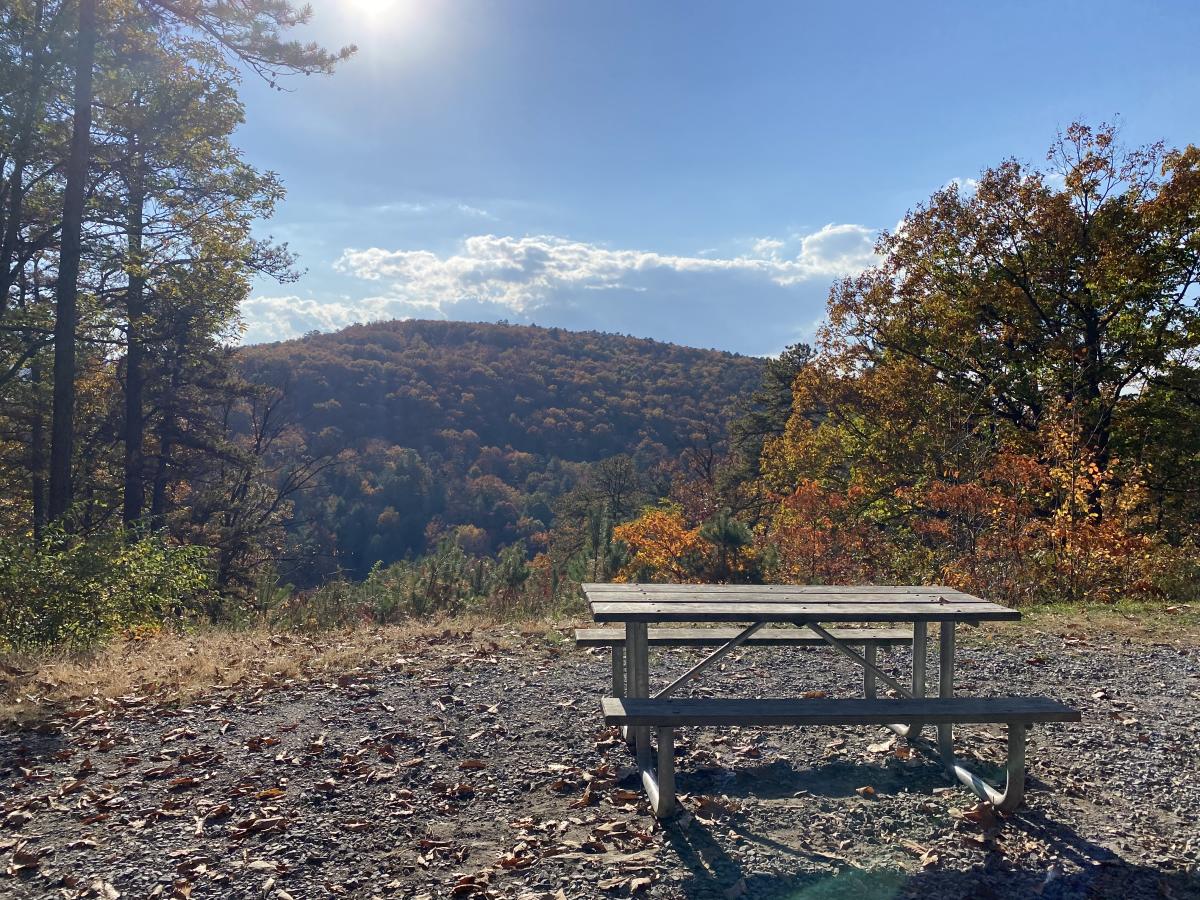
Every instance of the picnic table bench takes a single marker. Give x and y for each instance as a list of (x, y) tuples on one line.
[(804, 608)]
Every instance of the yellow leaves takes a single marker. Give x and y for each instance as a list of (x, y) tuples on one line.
[(660, 543)]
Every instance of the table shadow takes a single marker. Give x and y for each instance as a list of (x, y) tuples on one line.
[(1091, 870), (833, 777), (714, 873)]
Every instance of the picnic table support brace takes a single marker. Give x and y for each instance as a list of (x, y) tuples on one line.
[(873, 672), (713, 657), (868, 666)]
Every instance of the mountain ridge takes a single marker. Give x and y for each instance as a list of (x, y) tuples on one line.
[(455, 427)]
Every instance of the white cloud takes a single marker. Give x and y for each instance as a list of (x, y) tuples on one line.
[(524, 273), (837, 250), (279, 318), (475, 211), (753, 302), (768, 247), (430, 208)]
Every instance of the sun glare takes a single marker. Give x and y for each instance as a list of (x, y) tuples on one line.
[(374, 9)]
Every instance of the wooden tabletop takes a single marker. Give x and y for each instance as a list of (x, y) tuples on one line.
[(787, 603)]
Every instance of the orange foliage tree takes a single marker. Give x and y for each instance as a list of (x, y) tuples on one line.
[(983, 405), (662, 547)]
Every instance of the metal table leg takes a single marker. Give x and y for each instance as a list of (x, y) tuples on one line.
[(637, 658), (920, 656), (1014, 787), (659, 785)]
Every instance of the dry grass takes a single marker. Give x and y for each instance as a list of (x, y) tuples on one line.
[(1158, 623), (174, 668)]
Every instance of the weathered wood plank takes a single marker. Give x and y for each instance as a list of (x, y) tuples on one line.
[(821, 589), (745, 611), (683, 596), (769, 637), (960, 710)]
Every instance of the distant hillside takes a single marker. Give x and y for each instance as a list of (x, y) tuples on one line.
[(448, 424)]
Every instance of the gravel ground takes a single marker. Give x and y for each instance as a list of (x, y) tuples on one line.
[(464, 770)]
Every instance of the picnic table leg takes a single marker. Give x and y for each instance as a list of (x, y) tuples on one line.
[(637, 675), (920, 649), (618, 677), (1014, 786), (660, 785), (618, 669), (946, 689), (659, 781), (868, 674), (1014, 790)]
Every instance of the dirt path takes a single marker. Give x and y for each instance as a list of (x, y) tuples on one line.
[(460, 770)]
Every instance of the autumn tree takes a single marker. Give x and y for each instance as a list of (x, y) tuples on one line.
[(180, 205), (251, 33), (764, 413), (1040, 291), (1008, 370)]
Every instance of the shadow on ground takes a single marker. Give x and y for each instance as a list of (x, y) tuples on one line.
[(1087, 870), (1101, 874), (833, 778)]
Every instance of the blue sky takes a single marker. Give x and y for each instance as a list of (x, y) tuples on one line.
[(690, 171)]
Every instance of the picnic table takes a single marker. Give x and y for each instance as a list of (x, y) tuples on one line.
[(806, 610)]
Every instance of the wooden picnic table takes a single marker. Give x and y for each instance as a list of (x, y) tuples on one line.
[(637, 605)]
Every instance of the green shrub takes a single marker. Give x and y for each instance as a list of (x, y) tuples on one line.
[(73, 591), (448, 581)]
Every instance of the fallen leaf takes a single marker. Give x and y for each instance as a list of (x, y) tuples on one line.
[(982, 814)]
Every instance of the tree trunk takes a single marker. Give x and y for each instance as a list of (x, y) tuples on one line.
[(62, 428), (1098, 414), (16, 188), (135, 488), (37, 455)]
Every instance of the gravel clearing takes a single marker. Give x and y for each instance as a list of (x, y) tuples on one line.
[(461, 769)]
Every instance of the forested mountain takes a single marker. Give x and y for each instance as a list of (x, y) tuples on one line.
[(432, 428)]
